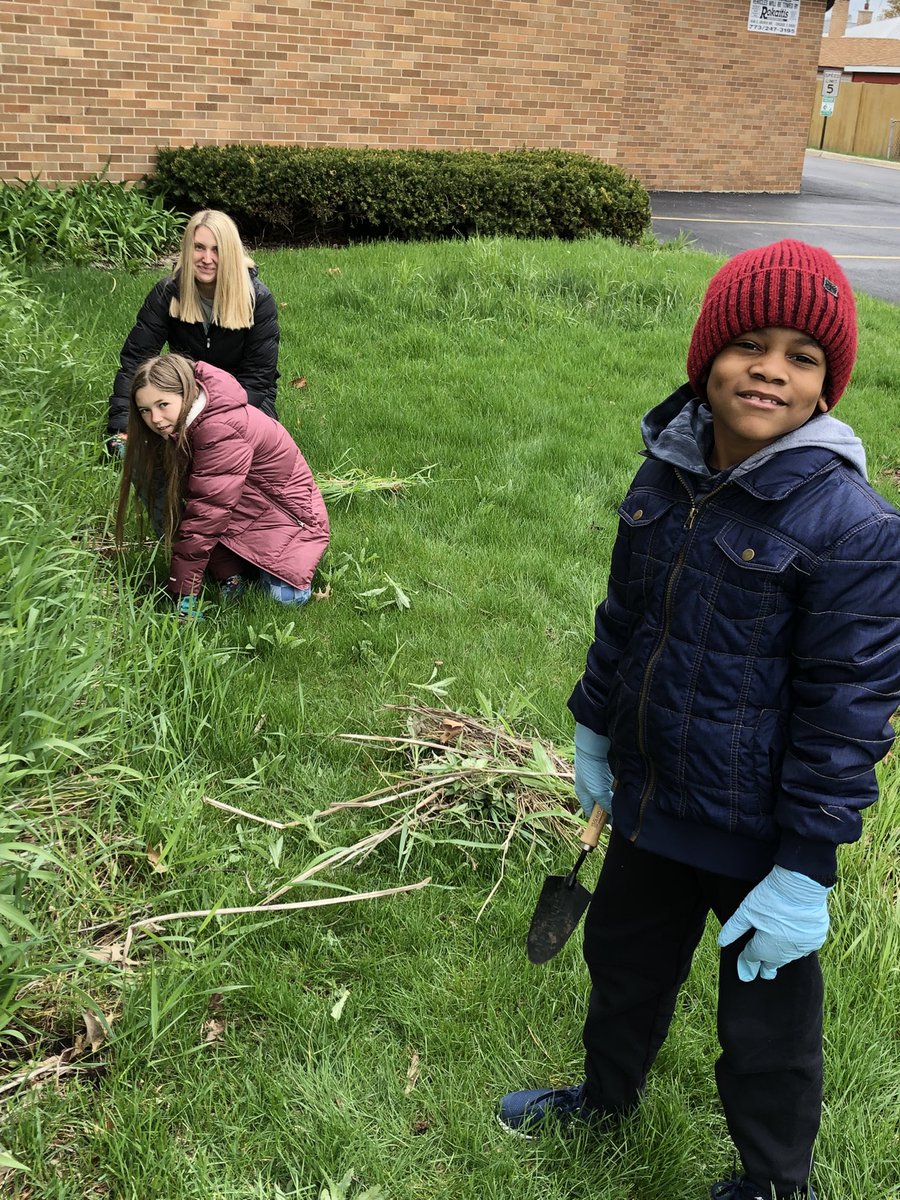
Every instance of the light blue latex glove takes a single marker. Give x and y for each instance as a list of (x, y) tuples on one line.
[(593, 778), (789, 912)]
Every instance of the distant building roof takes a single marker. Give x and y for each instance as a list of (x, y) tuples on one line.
[(876, 29), (867, 44)]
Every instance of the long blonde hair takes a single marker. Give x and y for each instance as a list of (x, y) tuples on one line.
[(152, 461), (233, 301)]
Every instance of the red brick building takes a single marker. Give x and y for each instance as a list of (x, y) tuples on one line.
[(682, 94)]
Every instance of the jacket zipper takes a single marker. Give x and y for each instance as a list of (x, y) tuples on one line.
[(671, 582), (284, 512)]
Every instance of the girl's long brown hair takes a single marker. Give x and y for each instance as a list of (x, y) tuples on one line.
[(151, 461)]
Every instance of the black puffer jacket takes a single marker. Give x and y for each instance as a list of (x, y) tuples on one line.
[(250, 355)]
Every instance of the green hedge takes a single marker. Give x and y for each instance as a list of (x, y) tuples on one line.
[(294, 193)]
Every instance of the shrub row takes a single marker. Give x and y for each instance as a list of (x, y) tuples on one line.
[(302, 194)]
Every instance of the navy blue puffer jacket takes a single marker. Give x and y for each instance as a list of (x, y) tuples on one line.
[(746, 660)]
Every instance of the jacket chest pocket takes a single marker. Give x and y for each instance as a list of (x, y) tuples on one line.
[(751, 573), (643, 516)]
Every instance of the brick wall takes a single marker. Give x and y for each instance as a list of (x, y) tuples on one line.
[(711, 106), (679, 93)]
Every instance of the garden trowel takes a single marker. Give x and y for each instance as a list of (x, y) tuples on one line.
[(563, 900)]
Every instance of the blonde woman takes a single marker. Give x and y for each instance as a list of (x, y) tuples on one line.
[(212, 308)]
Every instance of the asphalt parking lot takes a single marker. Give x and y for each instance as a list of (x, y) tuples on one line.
[(850, 206)]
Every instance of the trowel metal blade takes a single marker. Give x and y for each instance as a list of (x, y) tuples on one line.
[(560, 907)]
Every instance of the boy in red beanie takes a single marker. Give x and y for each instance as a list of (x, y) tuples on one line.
[(745, 666)]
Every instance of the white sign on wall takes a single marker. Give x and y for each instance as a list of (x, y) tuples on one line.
[(780, 16)]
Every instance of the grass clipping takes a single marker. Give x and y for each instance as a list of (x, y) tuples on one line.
[(463, 780), (347, 482)]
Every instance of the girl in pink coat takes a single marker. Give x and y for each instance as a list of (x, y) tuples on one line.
[(240, 500)]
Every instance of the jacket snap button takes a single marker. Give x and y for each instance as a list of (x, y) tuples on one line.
[(748, 554), (638, 514)]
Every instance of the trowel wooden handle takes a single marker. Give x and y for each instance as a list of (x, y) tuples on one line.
[(591, 835)]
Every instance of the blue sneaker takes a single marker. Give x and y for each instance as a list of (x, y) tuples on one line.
[(524, 1112), (736, 1188), (189, 609)]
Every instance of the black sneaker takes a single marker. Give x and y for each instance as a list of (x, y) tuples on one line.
[(524, 1112), (232, 588), (741, 1189)]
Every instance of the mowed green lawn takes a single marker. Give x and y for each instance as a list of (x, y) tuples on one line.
[(263, 1056)]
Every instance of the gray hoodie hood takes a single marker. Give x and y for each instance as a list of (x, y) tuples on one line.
[(679, 431)]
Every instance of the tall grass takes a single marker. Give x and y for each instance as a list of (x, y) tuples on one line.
[(86, 682), (366, 1046), (93, 221)]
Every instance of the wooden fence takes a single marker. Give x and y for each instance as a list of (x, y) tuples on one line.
[(861, 123)]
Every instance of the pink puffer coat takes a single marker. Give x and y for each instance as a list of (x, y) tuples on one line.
[(249, 487)]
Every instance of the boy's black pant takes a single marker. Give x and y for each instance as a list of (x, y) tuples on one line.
[(643, 925)]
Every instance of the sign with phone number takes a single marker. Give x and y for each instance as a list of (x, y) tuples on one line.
[(778, 17)]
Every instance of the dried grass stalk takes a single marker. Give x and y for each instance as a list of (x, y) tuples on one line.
[(152, 922), (446, 751)]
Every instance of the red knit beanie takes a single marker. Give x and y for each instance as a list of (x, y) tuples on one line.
[(787, 284)]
